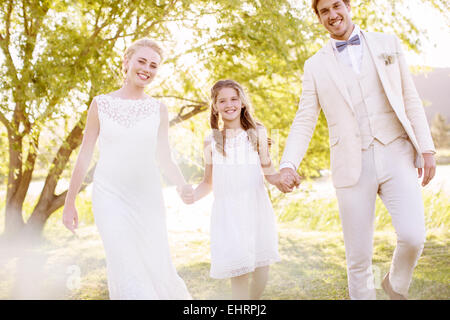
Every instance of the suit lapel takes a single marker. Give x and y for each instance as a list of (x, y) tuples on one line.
[(375, 52), (335, 71)]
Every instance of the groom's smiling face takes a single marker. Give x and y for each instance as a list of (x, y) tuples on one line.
[(335, 17)]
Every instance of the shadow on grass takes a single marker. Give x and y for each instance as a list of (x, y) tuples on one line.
[(201, 285), (307, 271), (313, 267)]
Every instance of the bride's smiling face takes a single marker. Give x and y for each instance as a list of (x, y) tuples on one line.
[(142, 67)]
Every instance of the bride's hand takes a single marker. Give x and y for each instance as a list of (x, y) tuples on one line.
[(70, 217), (186, 193)]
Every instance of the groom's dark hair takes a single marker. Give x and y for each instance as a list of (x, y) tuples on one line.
[(316, 2)]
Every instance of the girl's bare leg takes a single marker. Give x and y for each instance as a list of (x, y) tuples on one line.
[(259, 280), (239, 287)]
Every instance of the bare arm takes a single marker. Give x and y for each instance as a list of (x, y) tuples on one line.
[(205, 186), (164, 153), (70, 215), (270, 173)]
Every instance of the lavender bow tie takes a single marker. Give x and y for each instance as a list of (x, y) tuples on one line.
[(353, 41)]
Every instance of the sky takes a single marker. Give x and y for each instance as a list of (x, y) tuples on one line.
[(436, 51)]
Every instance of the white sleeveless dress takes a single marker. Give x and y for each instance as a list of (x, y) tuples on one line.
[(243, 227), (128, 202)]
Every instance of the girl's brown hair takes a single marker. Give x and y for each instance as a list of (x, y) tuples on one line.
[(248, 123)]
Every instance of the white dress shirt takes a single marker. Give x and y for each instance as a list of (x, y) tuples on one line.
[(352, 55)]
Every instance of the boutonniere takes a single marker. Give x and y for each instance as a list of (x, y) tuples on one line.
[(389, 58)]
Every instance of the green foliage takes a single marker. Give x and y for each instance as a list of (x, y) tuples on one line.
[(319, 214), (318, 154), (83, 204), (264, 44), (55, 56), (313, 214)]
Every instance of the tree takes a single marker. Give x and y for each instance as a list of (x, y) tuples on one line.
[(264, 44), (57, 55)]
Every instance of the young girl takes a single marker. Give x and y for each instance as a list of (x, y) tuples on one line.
[(127, 200), (244, 239)]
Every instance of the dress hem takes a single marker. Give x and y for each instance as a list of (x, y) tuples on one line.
[(243, 270)]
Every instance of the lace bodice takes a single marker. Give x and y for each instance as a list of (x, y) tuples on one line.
[(239, 151), (126, 112), (128, 138)]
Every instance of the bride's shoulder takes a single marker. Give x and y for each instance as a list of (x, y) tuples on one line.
[(101, 102), (98, 101), (106, 95), (102, 98)]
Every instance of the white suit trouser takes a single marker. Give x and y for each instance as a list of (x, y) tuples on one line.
[(387, 170)]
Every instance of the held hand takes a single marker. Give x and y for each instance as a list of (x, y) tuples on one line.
[(429, 168), (288, 179), (70, 218), (186, 193)]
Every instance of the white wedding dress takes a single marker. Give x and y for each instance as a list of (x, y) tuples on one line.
[(128, 202)]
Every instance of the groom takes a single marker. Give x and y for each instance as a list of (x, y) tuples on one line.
[(378, 136)]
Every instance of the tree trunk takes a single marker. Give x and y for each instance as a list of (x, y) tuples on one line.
[(13, 207), (48, 205), (13, 218), (35, 224)]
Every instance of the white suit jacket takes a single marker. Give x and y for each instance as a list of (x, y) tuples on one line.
[(323, 88)]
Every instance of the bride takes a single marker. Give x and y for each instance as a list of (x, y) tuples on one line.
[(127, 199)]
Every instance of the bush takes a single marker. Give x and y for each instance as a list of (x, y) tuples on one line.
[(322, 214)]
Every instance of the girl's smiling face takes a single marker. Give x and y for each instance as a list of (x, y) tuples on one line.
[(142, 66), (228, 104)]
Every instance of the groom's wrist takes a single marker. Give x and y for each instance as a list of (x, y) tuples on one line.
[(287, 164)]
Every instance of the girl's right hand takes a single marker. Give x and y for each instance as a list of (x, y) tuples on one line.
[(70, 217), (186, 193)]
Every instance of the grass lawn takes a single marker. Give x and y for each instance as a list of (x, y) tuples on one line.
[(310, 243), (312, 267)]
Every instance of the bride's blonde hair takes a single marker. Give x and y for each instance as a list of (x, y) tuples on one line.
[(143, 42)]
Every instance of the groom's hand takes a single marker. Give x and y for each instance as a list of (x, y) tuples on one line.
[(429, 168), (288, 180)]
